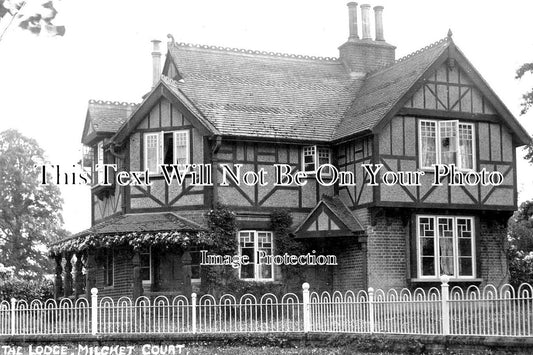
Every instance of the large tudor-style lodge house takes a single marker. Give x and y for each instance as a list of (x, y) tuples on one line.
[(212, 105)]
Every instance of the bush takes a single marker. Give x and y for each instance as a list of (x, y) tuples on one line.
[(520, 250), (28, 290)]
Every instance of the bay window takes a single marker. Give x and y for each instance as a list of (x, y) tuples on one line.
[(313, 157), (255, 245), (445, 246), (165, 148), (446, 142)]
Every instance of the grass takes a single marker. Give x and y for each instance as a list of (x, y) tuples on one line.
[(243, 350)]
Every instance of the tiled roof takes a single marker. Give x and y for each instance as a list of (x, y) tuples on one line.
[(108, 116), (250, 93), (142, 222), (384, 87), (343, 213)]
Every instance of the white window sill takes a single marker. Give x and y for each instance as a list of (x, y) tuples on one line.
[(461, 279)]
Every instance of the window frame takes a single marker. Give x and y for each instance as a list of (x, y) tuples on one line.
[(316, 158), (257, 266), (99, 160), (150, 265), (436, 256), (109, 254), (438, 151), (160, 148)]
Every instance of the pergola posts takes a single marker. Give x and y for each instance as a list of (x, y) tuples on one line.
[(67, 284)]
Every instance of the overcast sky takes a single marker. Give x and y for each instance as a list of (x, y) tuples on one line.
[(45, 83)]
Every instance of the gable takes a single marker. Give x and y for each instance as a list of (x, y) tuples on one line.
[(323, 222), (165, 90), (449, 88)]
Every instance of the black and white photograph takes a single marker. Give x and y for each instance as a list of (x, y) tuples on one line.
[(281, 177)]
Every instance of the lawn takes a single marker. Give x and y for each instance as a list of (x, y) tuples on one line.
[(242, 350)]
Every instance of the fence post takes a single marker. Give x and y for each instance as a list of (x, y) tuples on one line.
[(445, 297), (306, 307), (193, 302), (371, 321), (13, 323), (94, 310)]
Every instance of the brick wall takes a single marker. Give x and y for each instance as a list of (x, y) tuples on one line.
[(350, 272), (493, 263), (386, 255), (123, 275)]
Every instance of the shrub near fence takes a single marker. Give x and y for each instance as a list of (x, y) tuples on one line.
[(486, 311)]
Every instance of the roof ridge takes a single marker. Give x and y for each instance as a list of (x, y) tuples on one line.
[(115, 103), (252, 51), (412, 54)]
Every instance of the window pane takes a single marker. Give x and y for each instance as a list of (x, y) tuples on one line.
[(428, 246), (465, 238), (195, 263), (446, 245), (108, 268), (446, 266), (264, 244), (466, 160), (145, 274), (465, 247), (324, 158), (182, 143), (152, 143), (428, 138), (246, 243), (426, 226), (168, 148), (465, 267), (428, 266), (309, 158), (448, 142)]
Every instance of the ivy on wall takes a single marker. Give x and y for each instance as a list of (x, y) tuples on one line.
[(137, 240)]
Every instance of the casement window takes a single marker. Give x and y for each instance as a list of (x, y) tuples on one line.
[(445, 245), (313, 157), (109, 268), (446, 142), (165, 148), (146, 266), (195, 263), (99, 161), (255, 244)]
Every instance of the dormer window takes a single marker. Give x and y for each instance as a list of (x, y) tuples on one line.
[(446, 142), (313, 157), (165, 148)]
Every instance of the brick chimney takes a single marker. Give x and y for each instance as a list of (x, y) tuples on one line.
[(364, 55), (156, 62)]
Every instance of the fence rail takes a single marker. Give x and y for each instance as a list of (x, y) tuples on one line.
[(474, 311)]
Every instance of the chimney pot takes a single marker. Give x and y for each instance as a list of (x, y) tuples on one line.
[(378, 12), (365, 14), (352, 20), (156, 62)]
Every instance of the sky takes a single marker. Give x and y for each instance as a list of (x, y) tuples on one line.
[(46, 82)]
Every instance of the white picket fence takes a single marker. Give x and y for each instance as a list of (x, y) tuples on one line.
[(474, 311)]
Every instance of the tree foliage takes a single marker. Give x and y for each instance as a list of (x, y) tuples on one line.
[(527, 102), (520, 251), (36, 16), (30, 213)]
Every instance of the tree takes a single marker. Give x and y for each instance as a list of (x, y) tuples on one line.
[(35, 16), (30, 213), (520, 251), (527, 102)]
